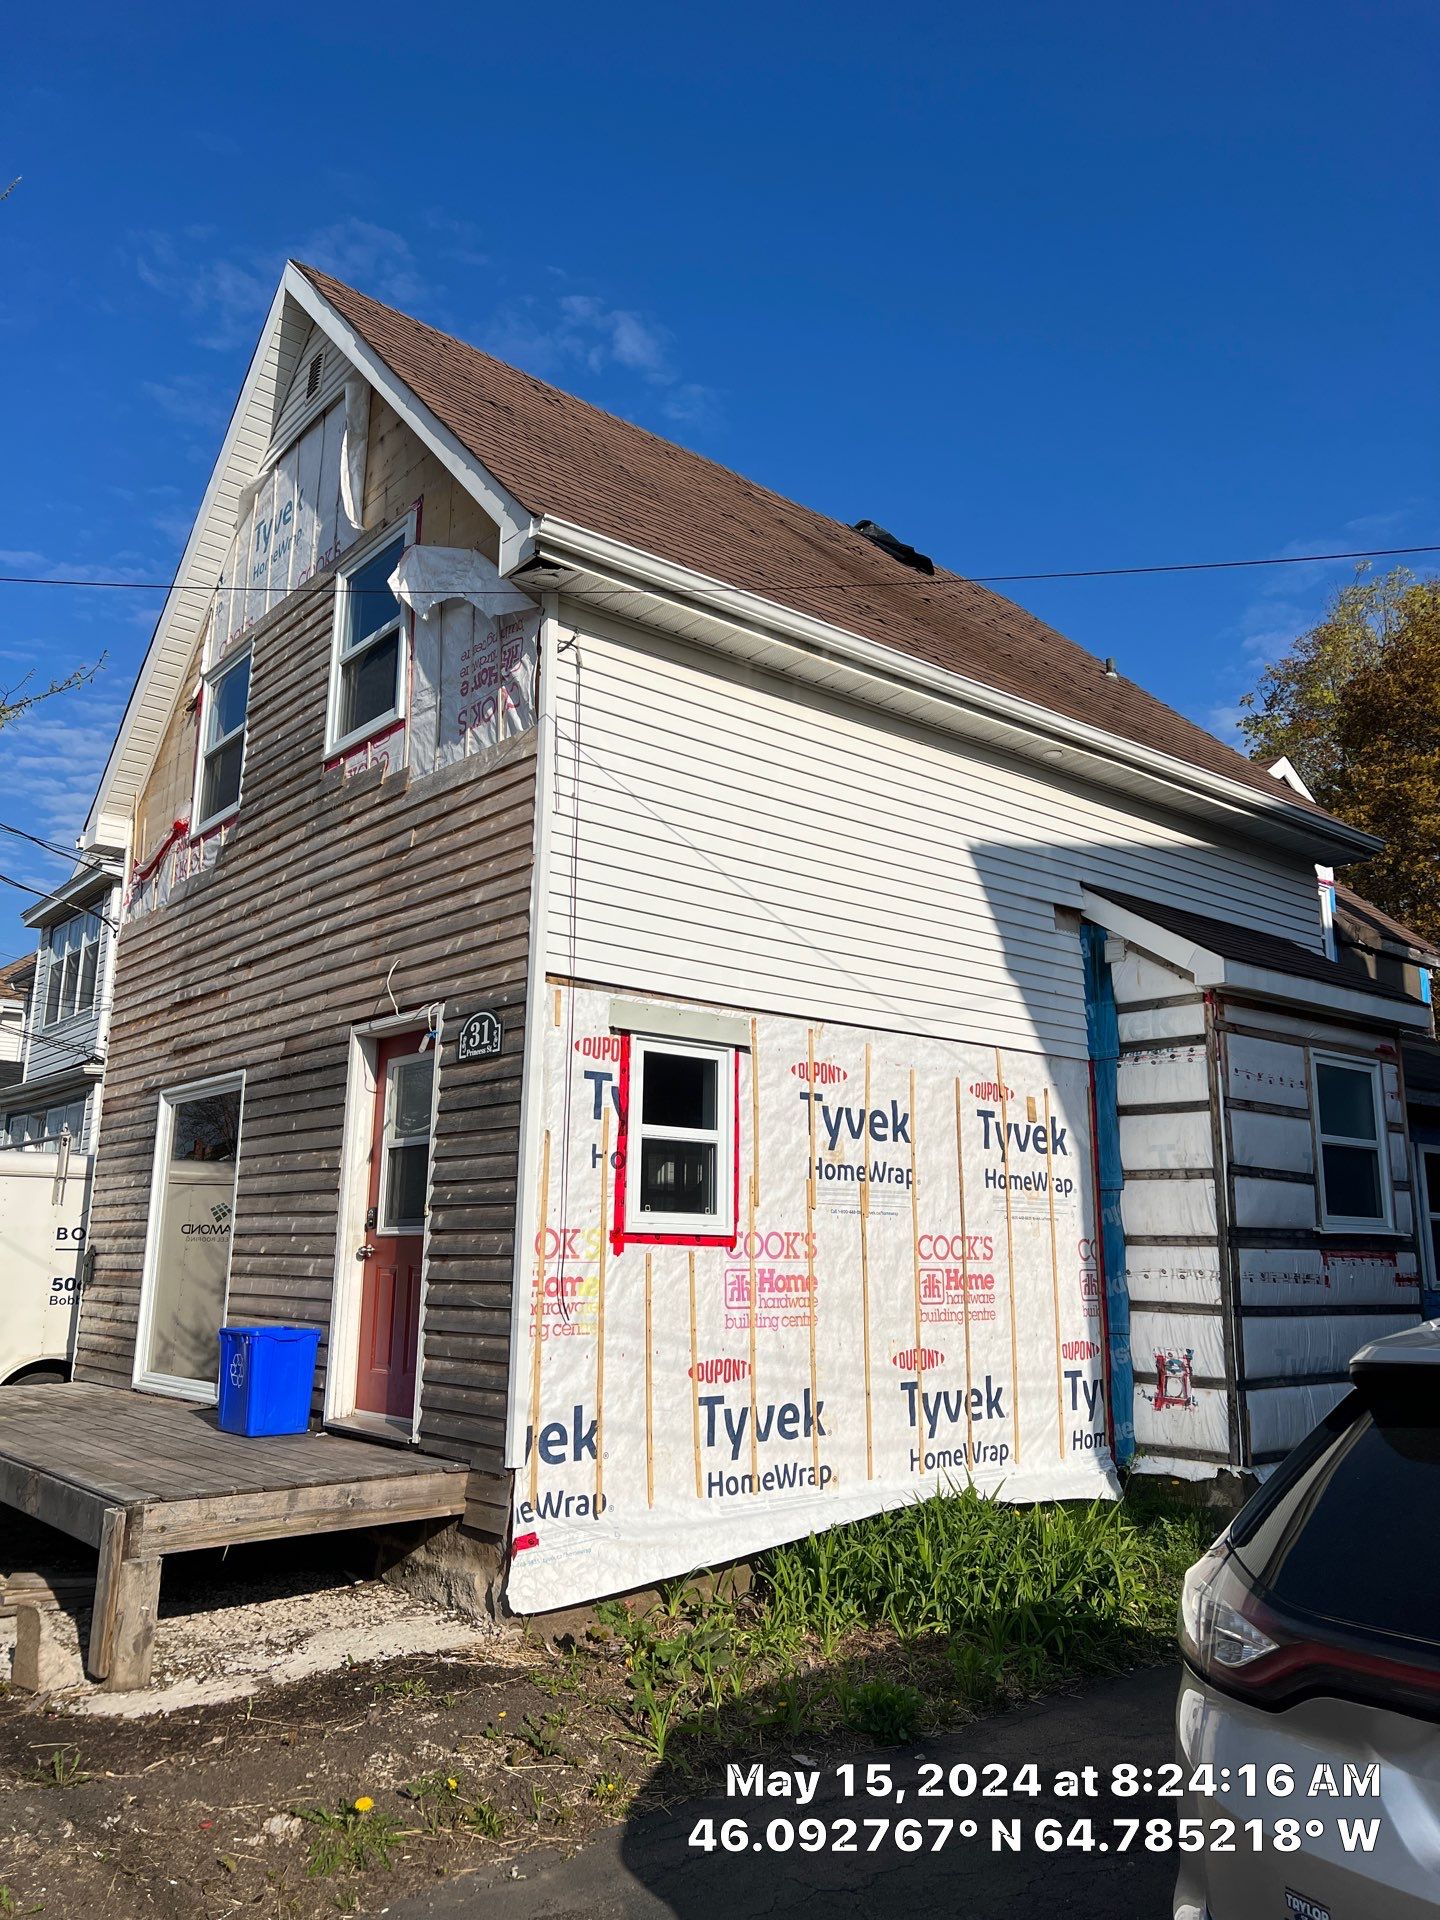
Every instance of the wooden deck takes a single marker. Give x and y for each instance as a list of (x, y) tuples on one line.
[(137, 1476)]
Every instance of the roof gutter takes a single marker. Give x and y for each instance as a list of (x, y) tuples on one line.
[(564, 543)]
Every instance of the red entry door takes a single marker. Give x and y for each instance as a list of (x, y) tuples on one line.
[(395, 1228)]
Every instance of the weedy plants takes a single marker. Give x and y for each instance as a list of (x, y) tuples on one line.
[(62, 1769), (887, 1710), (348, 1840)]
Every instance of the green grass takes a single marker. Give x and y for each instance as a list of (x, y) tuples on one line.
[(908, 1620)]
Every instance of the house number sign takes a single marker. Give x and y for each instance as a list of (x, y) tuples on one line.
[(480, 1037)]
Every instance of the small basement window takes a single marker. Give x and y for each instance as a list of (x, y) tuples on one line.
[(1350, 1130), (680, 1160), (223, 707), (368, 689)]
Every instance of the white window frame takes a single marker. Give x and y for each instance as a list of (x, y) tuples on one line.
[(1384, 1222), (359, 556), (204, 751), (205, 1393), (390, 1138), (69, 998), (684, 1226)]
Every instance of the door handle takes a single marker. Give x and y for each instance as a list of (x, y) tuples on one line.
[(364, 1253)]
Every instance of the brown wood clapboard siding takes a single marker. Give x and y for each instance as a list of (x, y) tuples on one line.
[(325, 891)]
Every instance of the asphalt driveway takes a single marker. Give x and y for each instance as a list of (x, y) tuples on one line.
[(647, 1869)]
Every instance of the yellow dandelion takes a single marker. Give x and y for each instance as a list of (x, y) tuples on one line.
[(501, 1714), (452, 1782), (364, 1803)]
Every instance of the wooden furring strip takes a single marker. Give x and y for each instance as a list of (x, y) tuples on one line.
[(865, 1289), (1054, 1278), (915, 1272), (814, 1304), (694, 1380), (649, 1386), (600, 1310), (964, 1274), (1009, 1253), (537, 1331)]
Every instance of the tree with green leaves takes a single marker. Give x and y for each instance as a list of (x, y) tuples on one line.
[(1355, 706)]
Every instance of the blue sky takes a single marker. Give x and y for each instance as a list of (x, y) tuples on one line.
[(1033, 286)]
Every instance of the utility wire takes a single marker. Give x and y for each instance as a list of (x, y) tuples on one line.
[(50, 846), (865, 586), (22, 886)]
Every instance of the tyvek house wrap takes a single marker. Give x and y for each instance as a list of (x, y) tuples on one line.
[(892, 1318), (475, 652)]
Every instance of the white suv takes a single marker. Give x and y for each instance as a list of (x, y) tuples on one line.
[(1311, 1688)]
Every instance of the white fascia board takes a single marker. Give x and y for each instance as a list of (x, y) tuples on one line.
[(1211, 971), (515, 522), (187, 597), (570, 545)]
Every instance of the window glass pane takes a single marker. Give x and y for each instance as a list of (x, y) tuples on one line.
[(368, 686), (1352, 1182), (1347, 1101), (680, 1091), (70, 979), (54, 980), (405, 1186), (1343, 1540), (89, 968), (677, 1176), (228, 696), (208, 1128), (369, 603), (192, 1236), (220, 781), (412, 1082)]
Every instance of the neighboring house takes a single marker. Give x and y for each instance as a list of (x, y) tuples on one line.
[(720, 1023), (14, 998), (66, 1018), (50, 1114), (1386, 951)]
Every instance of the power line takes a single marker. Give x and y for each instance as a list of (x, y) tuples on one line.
[(866, 586), (50, 846), (22, 886)]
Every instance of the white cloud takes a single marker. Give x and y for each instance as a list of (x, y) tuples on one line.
[(188, 398), (51, 759), (552, 336)]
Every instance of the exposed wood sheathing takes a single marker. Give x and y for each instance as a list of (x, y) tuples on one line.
[(323, 893)]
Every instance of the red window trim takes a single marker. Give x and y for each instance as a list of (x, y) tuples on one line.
[(619, 1238)]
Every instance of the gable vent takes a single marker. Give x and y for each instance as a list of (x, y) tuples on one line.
[(312, 378)]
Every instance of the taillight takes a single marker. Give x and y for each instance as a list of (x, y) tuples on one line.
[(1232, 1638)]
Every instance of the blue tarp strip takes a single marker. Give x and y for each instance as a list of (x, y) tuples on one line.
[(1103, 1032)]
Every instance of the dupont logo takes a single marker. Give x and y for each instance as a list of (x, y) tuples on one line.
[(723, 1372), (909, 1358), (1080, 1349), (1302, 1905), (991, 1090), (820, 1073)]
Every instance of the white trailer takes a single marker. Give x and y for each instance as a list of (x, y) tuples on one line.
[(44, 1200)]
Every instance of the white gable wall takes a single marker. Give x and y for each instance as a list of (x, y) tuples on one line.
[(746, 842)]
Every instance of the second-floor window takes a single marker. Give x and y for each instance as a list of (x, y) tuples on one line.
[(222, 743), (74, 967), (368, 688)]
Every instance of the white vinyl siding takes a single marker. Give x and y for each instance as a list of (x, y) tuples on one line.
[(749, 842)]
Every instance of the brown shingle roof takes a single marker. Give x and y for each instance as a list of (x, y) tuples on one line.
[(1248, 946), (558, 455), (1379, 922)]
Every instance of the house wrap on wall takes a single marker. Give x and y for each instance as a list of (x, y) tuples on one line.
[(721, 1024)]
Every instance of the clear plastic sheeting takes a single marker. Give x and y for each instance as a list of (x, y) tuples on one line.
[(1282, 1416), (910, 1301), (294, 520), (476, 641), (1309, 1344)]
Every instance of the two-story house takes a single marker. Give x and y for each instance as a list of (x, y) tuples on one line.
[(50, 1101), (721, 1023)]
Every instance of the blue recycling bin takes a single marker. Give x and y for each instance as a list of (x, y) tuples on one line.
[(267, 1379)]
